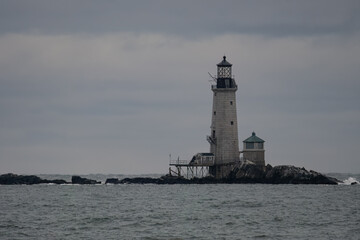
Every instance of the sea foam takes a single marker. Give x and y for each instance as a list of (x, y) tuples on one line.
[(350, 180)]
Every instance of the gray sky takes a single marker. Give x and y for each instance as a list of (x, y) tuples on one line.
[(116, 86)]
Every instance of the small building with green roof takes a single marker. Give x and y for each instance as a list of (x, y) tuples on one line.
[(254, 150)]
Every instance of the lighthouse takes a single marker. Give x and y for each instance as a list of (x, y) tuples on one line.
[(224, 155), (224, 143)]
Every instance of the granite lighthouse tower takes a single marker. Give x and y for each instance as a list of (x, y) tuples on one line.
[(224, 159), (224, 143)]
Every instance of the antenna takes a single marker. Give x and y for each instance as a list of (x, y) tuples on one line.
[(212, 77)]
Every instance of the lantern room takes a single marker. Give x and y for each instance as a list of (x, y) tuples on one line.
[(224, 69), (224, 77)]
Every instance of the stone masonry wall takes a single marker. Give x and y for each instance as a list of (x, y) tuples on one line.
[(224, 123)]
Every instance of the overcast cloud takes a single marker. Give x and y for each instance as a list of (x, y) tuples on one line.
[(115, 87)]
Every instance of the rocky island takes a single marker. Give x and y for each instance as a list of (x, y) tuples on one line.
[(14, 179), (244, 173)]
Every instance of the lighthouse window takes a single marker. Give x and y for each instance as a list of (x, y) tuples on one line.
[(214, 112), (232, 123), (230, 102), (260, 145), (250, 145)]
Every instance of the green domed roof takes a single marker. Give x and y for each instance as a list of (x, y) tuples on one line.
[(253, 139)]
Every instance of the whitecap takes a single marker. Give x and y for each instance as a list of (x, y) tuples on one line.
[(350, 180)]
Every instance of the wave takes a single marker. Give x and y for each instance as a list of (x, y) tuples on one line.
[(350, 180)]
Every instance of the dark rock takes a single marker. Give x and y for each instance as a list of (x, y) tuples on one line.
[(10, 179), (140, 180), (112, 181), (80, 180), (206, 180), (294, 175), (169, 179), (13, 179), (353, 183), (247, 172), (268, 168), (57, 181), (244, 172)]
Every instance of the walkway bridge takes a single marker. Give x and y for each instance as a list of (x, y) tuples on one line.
[(191, 168), (200, 167)]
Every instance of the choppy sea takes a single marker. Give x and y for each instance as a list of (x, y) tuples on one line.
[(214, 211)]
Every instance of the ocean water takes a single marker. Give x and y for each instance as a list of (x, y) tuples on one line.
[(218, 211)]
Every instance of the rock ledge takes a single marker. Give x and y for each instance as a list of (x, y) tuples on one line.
[(14, 179), (245, 172)]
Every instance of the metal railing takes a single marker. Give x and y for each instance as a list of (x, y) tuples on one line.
[(215, 87), (197, 162), (179, 162), (203, 162)]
